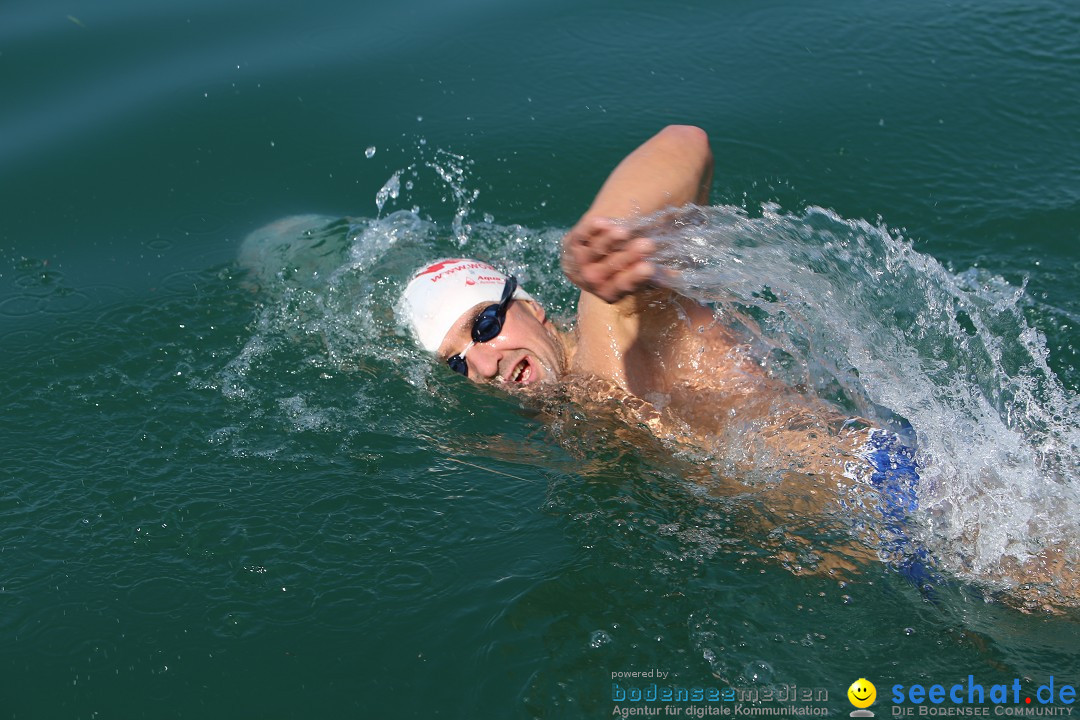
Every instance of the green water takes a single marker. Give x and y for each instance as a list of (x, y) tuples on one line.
[(222, 501)]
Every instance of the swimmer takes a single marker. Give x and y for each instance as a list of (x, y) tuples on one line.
[(663, 356), (665, 364)]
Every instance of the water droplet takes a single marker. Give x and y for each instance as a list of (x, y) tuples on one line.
[(760, 672), (389, 191), (598, 639)]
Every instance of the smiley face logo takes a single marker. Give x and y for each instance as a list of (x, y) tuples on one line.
[(862, 693)]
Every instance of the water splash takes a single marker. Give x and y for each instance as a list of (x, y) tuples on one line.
[(389, 191), (449, 177), (847, 309), (853, 311)]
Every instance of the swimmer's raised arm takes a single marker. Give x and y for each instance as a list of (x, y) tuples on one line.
[(671, 169)]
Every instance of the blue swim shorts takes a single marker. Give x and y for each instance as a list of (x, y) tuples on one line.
[(894, 475)]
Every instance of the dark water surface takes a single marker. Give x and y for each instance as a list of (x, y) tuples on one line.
[(226, 494)]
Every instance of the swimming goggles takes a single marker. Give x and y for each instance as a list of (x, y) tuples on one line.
[(486, 327)]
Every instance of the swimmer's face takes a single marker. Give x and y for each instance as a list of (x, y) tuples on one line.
[(528, 351)]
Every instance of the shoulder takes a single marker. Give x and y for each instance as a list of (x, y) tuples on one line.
[(631, 342)]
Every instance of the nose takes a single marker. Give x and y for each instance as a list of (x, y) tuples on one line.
[(483, 361)]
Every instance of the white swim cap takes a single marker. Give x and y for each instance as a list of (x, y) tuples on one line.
[(439, 293)]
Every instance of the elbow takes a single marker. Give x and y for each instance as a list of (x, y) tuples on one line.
[(690, 134), (691, 140), (691, 137), (691, 144)]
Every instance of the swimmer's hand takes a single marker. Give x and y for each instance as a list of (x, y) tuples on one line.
[(609, 260)]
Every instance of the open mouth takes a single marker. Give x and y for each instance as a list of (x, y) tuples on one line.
[(522, 372)]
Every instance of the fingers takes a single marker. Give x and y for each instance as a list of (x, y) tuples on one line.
[(629, 280), (601, 236), (607, 259)]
